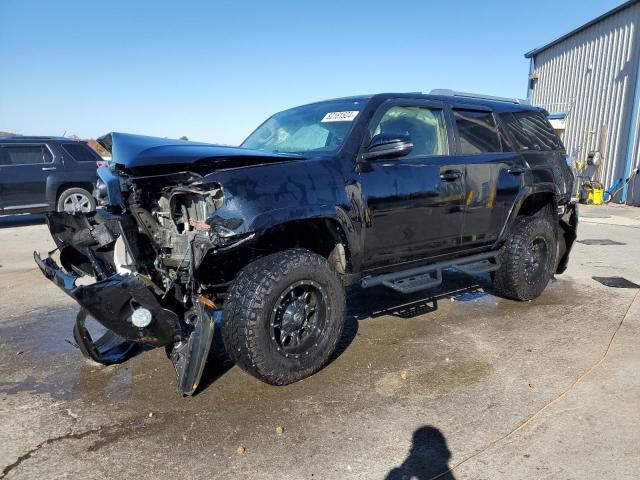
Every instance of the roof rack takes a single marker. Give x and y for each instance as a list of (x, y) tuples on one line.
[(452, 93)]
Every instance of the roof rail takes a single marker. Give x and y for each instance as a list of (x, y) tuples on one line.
[(36, 137), (452, 93)]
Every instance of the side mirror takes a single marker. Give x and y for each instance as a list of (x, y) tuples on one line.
[(388, 145)]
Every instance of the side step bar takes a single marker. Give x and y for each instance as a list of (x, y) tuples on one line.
[(429, 276)]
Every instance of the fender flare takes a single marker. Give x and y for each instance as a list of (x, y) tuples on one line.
[(282, 216), (524, 193)]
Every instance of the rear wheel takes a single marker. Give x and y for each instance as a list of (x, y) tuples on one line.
[(75, 200), (284, 316), (528, 259)]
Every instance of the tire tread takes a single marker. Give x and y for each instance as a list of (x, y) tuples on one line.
[(247, 300)]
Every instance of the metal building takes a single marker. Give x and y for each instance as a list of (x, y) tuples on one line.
[(589, 81)]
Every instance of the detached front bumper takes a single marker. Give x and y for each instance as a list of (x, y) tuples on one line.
[(112, 302)]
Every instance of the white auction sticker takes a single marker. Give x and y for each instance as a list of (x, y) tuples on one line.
[(340, 116)]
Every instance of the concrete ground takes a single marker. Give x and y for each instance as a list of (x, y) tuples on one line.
[(475, 367)]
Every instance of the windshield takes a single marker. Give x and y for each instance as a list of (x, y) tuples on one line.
[(317, 128)]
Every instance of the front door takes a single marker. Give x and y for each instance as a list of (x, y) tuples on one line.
[(413, 203), (24, 169)]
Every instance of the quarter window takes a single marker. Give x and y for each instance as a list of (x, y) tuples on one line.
[(24, 154), (540, 130), (80, 152), (425, 126), (477, 131), (522, 139)]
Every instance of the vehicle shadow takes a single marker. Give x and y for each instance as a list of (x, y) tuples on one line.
[(218, 362), (363, 304), (10, 221), (428, 458), (379, 301)]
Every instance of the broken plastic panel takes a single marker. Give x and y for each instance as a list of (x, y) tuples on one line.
[(189, 356), (108, 349)]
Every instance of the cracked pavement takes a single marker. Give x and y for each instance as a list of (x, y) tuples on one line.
[(475, 367)]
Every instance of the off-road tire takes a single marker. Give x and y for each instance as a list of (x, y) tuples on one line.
[(510, 280), (248, 310), (62, 198)]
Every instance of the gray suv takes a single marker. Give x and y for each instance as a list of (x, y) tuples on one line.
[(40, 174)]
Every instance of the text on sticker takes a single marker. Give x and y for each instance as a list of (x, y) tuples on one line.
[(340, 116)]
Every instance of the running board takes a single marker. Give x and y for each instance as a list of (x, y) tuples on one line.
[(429, 276)]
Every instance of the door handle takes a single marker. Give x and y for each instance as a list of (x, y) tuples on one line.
[(516, 170), (47, 169), (450, 175)]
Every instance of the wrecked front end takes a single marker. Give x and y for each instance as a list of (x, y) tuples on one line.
[(148, 253)]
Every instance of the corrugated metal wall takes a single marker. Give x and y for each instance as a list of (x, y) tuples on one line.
[(592, 77)]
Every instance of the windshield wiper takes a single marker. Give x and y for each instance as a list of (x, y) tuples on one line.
[(288, 152)]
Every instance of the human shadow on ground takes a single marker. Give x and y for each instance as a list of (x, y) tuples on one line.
[(428, 458)]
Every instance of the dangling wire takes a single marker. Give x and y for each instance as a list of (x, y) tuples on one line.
[(189, 254)]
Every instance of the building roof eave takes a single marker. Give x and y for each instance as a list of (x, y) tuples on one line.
[(617, 9)]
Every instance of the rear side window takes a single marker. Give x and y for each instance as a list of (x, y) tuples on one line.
[(80, 152), (539, 130), (477, 131), (24, 154)]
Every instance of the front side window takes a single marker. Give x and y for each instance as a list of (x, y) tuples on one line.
[(316, 128), (425, 127), (477, 131), (24, 154)]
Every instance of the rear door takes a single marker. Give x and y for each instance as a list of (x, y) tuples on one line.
[(541, 148), (493, 174), (24, 169)]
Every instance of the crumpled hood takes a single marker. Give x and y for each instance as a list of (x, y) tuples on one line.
[(139, 151)]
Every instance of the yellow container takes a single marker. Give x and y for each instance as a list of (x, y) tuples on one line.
[(595, 196), (591, 193)]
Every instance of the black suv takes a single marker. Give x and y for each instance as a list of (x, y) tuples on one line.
[(39, 174), (384, 190)]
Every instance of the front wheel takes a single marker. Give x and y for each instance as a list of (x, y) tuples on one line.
[(284, 316), (528, 259)]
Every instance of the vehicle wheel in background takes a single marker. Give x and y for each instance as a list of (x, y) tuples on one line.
[(75, 200), (283, 316), (528, 258)]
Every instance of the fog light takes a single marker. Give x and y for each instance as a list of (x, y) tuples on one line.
[(141, 317)]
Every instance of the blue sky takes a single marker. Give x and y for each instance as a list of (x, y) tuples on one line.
[(213, 70)]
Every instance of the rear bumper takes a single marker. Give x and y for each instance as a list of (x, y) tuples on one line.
[(112, 301), (567, 234)]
